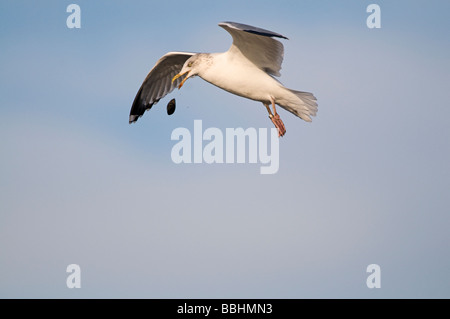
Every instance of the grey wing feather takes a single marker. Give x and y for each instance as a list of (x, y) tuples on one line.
[(257, 45), (251, 29), (158, 82)]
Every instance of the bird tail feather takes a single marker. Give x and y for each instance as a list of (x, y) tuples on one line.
[(301, 104)]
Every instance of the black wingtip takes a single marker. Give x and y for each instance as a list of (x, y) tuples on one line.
[(252, 29), (138, 108), (266, 34), (132, 119)]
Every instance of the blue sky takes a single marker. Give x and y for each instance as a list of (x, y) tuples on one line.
[(366, 182)]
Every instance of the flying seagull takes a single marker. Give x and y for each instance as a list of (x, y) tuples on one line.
[(247, 69)]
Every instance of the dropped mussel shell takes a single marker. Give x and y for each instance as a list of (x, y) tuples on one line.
[(171, 107)]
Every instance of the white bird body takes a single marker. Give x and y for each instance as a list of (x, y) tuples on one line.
[(256, 84), (246, 70), (241, 77)]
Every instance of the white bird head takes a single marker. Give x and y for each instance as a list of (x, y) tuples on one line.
[(192, 67)]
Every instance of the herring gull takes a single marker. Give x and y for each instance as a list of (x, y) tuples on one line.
[(247, 69)]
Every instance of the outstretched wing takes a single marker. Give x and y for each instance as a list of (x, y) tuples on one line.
[(257, 45), (158, 82)]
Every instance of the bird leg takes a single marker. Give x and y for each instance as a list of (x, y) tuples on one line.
[(276, 120)]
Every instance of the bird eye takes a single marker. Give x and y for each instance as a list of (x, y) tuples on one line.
[(189, 64)]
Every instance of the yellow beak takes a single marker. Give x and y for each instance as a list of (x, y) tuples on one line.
[(182, 82)]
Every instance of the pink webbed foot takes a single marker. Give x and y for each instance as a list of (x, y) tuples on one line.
[(276, 120)]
